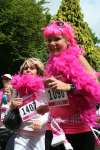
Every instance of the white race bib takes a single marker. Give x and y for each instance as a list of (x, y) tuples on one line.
[(56, 97), (28, 109)]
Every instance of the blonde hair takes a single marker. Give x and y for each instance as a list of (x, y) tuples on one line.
[(33, 61)]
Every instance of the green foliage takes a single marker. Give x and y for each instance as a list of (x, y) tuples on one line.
[(70, 11), (20, 32), (94, 58)]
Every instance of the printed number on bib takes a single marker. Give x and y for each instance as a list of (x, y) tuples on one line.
[(27, 111), (56, 97)]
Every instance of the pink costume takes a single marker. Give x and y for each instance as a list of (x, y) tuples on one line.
[(80, 114)]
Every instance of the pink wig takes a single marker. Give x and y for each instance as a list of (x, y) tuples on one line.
[(60, 28)]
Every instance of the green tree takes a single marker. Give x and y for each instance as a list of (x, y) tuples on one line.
[(20, 32), (70, 11)]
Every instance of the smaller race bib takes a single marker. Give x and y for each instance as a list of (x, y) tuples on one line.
[(56, 97), (28, 109)]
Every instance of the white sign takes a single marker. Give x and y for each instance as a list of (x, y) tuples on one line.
[(28, 109), (56, 97)]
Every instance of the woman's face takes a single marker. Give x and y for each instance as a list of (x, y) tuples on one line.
[(30, 69), (6, 81), (56, 43)]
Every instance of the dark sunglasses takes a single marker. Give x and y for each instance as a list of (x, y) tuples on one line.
[(59, 23)]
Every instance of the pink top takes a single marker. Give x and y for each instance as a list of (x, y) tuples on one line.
[(73, 120), (69, 121)]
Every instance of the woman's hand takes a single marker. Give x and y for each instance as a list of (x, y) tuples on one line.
[(7, 90), (36, 125), (42, 109), (16, 102), (57, 84)]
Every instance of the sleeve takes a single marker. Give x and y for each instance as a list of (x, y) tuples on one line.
[(41, 100), (44, 119)]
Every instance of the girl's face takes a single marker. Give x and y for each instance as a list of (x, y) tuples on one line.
[(30, 69), (56, 43)]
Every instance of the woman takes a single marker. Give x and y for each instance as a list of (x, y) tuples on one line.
[(65, 71), (30, 89)]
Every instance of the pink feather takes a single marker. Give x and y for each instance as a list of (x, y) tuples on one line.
[(27, 84), (87, 93)]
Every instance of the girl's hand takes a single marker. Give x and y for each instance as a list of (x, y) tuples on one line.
[(16, 102), (36, 125), (57, 84)]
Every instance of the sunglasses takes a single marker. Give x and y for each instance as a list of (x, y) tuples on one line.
[(59, 23)]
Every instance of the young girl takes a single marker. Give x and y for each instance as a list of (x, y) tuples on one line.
[(29, 85), (72, 88)]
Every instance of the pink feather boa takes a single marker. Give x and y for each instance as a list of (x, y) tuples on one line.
[(27, 84), (67, 65)]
